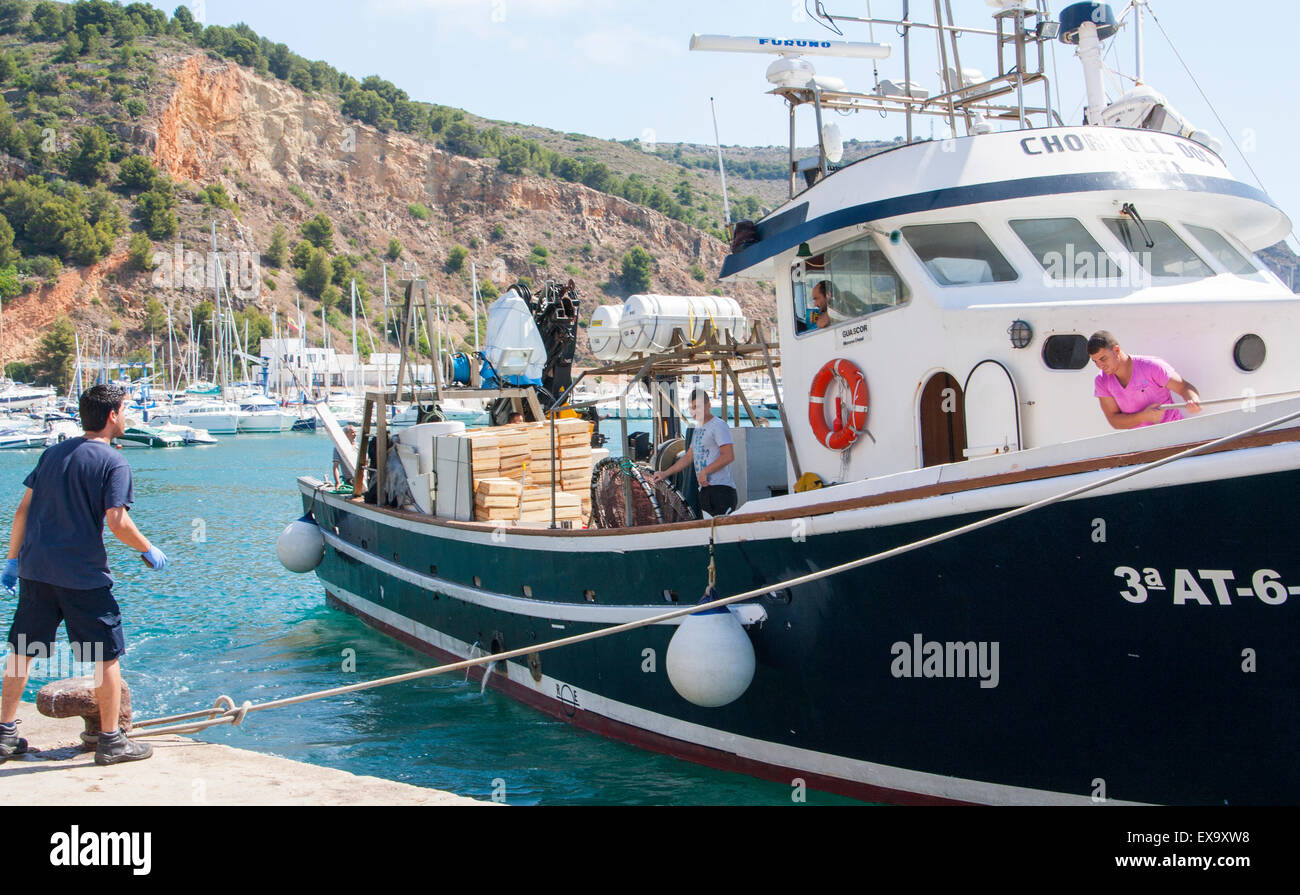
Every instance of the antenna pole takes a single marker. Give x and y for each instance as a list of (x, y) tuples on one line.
[(722, 171), (907, 62), (1137, 33)]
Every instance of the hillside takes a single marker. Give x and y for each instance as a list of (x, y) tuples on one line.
[(124, 146), (126, 136)]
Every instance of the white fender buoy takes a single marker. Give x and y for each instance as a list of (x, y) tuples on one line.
[(301, 546), (710, 659)]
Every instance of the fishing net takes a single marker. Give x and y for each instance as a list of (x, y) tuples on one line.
[(652, 503)]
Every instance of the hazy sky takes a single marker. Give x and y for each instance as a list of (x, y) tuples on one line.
[(621, 69)]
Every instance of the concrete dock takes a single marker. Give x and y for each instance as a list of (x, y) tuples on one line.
[(183, 771)]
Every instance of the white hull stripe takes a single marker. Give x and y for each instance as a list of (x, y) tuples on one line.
[(747, 613), (805, 760), (1212, 467)]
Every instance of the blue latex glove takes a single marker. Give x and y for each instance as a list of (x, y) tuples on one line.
[(154, 558), (9, 580)]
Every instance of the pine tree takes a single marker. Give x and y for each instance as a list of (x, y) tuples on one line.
[(54, 354), (319, 232), (278, 250), (318, 273), (89, 161), (638, 265)]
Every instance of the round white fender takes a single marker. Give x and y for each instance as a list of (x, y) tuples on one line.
[(301, 546), (710, 659)]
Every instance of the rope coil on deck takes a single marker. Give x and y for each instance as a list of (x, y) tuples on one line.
[(227, 713)]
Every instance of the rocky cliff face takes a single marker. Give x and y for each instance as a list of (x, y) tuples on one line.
[(284, 157), (260, 137)]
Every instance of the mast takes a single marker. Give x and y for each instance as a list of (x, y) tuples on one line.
[(474, 277), (436, 324), (218, 327), (722, 172), (1137, 34), (386, 339), (907, 63), (325, 344), (172, 377), (356, 357), (76, 374)]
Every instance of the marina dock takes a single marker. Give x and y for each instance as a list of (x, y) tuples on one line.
[(183, 771)]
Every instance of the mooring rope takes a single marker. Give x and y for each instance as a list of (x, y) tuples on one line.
[(1246, 400), (226, 712)]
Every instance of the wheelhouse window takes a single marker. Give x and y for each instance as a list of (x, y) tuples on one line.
[(844, 283), (1066, 250), (958, 254), (1166, 255), (1222, 251)]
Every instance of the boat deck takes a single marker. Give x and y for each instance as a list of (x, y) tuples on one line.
[(1112, 451)]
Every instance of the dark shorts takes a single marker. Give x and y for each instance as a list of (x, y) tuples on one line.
[(718, 500), (93, 619)]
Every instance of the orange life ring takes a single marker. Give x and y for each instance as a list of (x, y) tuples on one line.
[(842, 433)]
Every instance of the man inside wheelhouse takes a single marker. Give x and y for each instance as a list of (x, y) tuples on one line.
[(844, 283)]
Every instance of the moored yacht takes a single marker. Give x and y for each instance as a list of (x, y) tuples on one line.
[(260, 414), (215, 417)]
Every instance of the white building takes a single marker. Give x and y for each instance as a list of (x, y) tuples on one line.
[(292, 365)]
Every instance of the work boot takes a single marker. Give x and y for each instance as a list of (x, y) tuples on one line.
[(11, 744), (116, 747)]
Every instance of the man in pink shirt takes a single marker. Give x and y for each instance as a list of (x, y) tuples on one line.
[(1131, 388)]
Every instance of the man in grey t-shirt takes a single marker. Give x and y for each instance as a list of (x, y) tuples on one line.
[(712, 451)]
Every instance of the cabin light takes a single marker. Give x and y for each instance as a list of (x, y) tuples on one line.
[(804, 251), (1021, 334)]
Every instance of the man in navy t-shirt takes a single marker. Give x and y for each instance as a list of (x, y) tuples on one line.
[(56, 548)]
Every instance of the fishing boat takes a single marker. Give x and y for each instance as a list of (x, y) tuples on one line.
[(1120, 627)]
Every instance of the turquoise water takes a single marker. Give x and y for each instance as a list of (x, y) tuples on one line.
[(227, 618)]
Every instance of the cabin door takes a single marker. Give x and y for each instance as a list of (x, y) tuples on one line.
[(992, 411), (943, 421)]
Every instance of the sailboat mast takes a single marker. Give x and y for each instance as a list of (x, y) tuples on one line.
[(386, 339), (473, 275), (216, 312), (76, 375), (171, 356), (356, 358)]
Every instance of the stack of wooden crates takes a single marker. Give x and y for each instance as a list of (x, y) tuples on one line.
[(512, 472)]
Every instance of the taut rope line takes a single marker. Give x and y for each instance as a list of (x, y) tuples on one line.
[(227, 713)]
